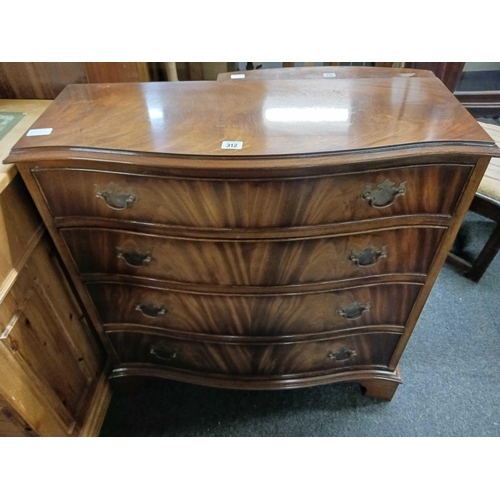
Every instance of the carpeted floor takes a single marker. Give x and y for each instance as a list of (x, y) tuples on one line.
[(450, 369)]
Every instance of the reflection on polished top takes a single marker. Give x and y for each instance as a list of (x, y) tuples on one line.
[(268, 117)]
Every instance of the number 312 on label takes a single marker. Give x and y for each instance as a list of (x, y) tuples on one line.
[(232, 144)]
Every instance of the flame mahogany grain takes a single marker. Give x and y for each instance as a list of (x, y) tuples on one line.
[(256, 315), (277, 203), (246, 252), (410, 250)]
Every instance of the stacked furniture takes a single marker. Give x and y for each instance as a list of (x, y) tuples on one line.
[(256, 234), (324, 73)]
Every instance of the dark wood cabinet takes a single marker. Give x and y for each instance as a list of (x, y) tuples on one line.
[(256, 234), (482, 100), (46, 80)]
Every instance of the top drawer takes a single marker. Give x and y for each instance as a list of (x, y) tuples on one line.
[(253, 203)]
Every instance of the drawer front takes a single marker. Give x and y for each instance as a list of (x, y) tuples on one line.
[(431, 189), (254, 315), (265, 263), (366, 350)]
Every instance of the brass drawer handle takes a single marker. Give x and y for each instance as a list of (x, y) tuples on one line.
[(151, 310), (354, 310), (368, 256), (384, 194), (133, 258), (163, 352), (342, 354), (114, 197)]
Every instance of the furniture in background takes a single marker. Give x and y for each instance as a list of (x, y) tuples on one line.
[(307, 64), (448, 72), (45, 80), (189, 70), (265, 235), (311, 64), (52, 375), (324, 72), (41, 80), (486, 202), (171, 69), (480, 103)]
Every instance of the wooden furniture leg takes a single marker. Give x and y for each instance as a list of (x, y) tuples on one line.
[(474, 270), (382, 388), (484, 259)]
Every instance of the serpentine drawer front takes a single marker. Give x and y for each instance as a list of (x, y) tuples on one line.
[(351, 351), (407, 250), (259, 235), (278, 203), (263, 314)]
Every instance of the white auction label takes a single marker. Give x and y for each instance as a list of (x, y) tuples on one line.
[(39, 131), (237, 76), (232, 144), (329, 75)]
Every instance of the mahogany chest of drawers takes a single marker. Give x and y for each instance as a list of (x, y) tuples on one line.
[(256, 234)]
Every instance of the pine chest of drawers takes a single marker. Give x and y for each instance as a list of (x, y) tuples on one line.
[(256, 235)]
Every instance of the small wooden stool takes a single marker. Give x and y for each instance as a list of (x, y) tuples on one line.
[(485, 203)]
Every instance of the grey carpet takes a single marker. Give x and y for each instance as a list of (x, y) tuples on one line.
[(450, 370)]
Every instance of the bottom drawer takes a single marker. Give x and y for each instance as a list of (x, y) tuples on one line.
[(350, 351)]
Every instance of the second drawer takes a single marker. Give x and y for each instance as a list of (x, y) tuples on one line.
[(259, 263), (271, 315)]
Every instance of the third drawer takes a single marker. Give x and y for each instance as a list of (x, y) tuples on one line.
[(270, 315)]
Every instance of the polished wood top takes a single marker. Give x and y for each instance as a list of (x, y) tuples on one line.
[(328, 72), (293, 117), (32, 108)]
